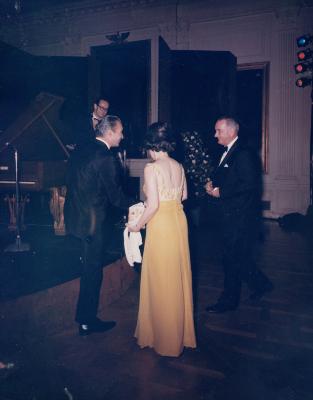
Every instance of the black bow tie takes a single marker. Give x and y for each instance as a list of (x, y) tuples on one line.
[(225, 149)]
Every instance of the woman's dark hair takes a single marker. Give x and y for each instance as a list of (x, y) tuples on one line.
[(159, 137)]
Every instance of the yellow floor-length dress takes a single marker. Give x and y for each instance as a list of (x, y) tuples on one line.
[(165, 318)]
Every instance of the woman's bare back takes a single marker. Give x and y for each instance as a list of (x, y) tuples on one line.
[(171, 179), (171, 172)]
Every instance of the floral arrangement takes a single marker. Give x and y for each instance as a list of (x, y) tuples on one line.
[(197, 162)]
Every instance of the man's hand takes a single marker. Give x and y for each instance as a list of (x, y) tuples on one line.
[(212, 191), (133, 228), (209, 186), (216, 192)]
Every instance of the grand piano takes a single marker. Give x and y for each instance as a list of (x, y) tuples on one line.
[(36, 134)]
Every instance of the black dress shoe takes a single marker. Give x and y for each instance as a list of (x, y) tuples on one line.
[(220, 308), (259, 293), (95, 326)]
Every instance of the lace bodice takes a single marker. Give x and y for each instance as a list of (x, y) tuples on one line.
[(167, 193)]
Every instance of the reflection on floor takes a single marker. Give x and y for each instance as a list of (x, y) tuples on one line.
[(261, 351)]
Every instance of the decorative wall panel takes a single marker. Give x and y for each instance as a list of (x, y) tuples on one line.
[(258, 31)]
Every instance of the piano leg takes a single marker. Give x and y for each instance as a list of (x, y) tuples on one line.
[(11, 200), (56, 208)]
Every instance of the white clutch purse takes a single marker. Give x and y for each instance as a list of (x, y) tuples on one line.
[(133, 240), (135, 212)]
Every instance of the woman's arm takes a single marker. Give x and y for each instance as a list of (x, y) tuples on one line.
[(152, 200), (185, 191)]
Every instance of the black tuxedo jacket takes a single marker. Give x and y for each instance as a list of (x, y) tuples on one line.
[(79, 130), (84, 132), (239, 180), (93, 185)]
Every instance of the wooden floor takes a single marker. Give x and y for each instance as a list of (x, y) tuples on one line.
[(260, 351)]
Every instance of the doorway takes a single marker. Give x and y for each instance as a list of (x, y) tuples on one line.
[(252, 106), (124, 80)]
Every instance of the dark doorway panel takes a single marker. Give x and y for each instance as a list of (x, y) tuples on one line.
[(252, 106), (125, 82), (203, 89)]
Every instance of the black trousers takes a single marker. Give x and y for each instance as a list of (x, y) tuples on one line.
[(91, 278), (239, 235)]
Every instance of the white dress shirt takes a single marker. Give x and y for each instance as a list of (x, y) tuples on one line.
[(228, 148)]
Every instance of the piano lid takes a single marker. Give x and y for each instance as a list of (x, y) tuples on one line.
[(36, 132)]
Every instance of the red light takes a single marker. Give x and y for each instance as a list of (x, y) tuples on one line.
[(299, 68), (304, 54), (303, 67)]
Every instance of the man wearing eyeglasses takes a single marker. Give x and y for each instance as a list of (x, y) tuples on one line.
[(100, 110), (84, 127)]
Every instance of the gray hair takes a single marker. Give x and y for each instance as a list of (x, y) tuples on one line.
[(106, 124), (230, 122)]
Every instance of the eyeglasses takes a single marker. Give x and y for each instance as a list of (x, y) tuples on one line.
[(102, 108)]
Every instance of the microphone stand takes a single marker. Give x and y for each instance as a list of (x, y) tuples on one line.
[(18, 246)]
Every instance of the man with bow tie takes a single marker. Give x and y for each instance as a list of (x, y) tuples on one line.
[(236, 185), (84, 127), (100, 110), (93, 187)]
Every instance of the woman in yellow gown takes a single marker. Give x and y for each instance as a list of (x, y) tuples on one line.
[(165, 318)]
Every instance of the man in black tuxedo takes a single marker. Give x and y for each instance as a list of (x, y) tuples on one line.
[(236, 186), (93, 185), (100, 110)]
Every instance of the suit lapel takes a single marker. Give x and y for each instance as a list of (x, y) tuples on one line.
[(229, 154)]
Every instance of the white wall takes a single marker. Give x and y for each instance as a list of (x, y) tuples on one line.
[(258, 31)]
